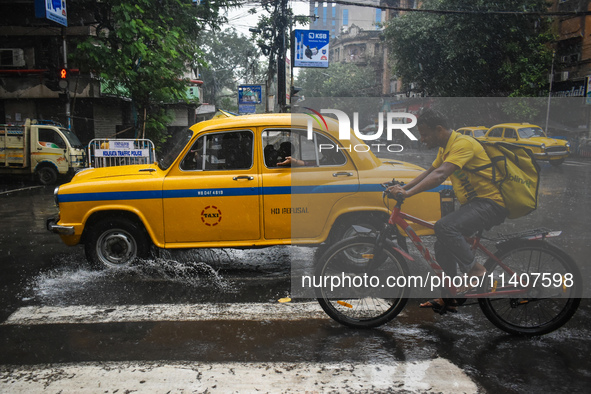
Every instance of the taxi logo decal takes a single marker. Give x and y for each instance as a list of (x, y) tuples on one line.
[(211, 215)]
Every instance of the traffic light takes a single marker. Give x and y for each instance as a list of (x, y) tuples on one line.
[(293, 97), (63, 78)]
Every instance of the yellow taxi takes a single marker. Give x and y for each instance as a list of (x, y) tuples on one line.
[(476, 132), (226, 183), (533, 137)]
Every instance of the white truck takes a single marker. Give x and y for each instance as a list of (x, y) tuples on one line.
[(41, 148)]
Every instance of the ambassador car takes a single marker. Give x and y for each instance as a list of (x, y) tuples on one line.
[(533, 137), (227, 183), (476, 132)]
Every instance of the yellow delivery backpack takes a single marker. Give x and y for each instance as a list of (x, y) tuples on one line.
[(517, 175)]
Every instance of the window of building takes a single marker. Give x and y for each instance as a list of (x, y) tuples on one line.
[(378, 15), (345, 17)]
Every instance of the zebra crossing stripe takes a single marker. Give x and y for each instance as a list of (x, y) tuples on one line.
[(436, 375), (89, 314)]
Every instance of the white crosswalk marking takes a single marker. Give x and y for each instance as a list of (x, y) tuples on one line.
[(419, 376), (437, 375), (83, 314), (576, 163)]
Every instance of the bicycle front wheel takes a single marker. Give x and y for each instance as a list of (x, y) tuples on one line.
[(353, 262), (548, 282)]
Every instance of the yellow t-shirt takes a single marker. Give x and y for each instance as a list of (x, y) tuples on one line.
[(467, 153)]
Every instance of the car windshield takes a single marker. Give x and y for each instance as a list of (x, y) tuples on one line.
[(72, 138), (479, 133), (529, 132), (173, 147)]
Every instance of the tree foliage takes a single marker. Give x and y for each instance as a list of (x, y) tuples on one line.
[(230, 59), (473, 54), (276, 17), (142, 49), (339, 80)]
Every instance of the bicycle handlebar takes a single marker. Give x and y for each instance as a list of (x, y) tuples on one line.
[(398, 197)]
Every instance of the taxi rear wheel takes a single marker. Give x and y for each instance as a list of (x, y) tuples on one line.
[(344, 229), (116, 242)]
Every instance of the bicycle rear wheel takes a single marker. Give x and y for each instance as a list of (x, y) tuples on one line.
[(351, 260), (553, 284)]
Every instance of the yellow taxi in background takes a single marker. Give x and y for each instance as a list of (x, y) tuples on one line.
[(533, 137), (476, 132), (225, 183)]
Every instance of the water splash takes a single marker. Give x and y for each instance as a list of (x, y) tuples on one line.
[(75, 282)]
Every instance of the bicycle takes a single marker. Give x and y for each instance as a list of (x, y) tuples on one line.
[(531, 287)]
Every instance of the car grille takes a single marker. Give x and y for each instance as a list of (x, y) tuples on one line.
[(556, 149)]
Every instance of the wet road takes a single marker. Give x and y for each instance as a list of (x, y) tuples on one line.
[(210, 320)]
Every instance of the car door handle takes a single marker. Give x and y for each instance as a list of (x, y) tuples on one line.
[(336, 174), (247, 177)]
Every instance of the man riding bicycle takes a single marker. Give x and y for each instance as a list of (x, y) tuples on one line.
[(482, 205)]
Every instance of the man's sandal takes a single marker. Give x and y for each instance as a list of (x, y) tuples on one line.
[(438, 307), (462, 290)]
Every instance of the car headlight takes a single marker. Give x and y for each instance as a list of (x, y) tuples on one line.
[(568, 145), (543, 146), (55, 198)]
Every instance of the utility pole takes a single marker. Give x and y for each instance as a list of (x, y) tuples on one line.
[(67, 90), (281, 82), (550, 91)]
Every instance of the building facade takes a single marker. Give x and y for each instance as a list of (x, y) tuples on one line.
[(338, 18), (34, 51)]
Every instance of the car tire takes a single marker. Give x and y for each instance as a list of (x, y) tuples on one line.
[(344, 229), (116, 243), (46, 175)]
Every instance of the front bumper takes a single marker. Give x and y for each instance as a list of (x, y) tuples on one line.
[(52, 226), (551, 155)]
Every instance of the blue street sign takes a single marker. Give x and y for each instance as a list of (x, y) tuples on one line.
[(249, 94)]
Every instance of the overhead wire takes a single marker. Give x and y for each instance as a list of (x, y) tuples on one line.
[(460, 11)]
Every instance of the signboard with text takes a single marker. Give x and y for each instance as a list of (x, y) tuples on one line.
[(54, 10), (310, 48), (247, 108), (571, 88), (249, 94), (121, 149)]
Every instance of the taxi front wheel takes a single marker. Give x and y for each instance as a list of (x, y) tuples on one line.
[(116, 242)]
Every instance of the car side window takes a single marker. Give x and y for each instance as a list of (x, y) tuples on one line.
[(51, 139), (318, 151), (279, 144), (220, 151), (510, 133), (328, 152), (498, 132)]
